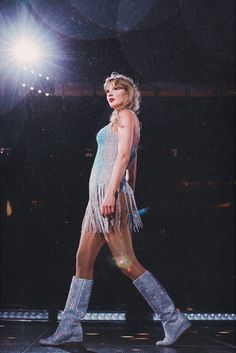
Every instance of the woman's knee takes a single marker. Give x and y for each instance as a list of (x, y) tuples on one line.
[(130, 266), (122, 262), (125, 263)]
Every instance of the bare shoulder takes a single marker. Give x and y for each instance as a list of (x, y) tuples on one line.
[(126, 117)]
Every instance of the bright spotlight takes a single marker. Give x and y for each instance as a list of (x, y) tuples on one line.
[(26, 52), (26, 43)]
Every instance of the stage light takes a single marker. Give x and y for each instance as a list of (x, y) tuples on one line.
[(47, 78), (39, 91), (26, 51), (204, 316), (26, 41), (31, 88), (27, 48), (47, 94), (42, 315)]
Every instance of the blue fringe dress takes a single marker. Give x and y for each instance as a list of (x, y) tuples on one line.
[(126, 212)]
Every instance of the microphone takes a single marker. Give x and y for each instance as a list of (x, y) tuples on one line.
[(143, 211)]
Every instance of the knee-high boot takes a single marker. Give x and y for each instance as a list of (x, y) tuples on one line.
[(173, 321), (70, 329)]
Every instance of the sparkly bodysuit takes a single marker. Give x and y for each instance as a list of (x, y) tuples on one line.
[(125, 206)]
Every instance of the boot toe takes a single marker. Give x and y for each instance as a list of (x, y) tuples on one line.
[(49, 342), (171, 337), (44, 342), (163, 343)]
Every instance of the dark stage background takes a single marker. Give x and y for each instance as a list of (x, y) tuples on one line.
[(181, 54), (185, 176)]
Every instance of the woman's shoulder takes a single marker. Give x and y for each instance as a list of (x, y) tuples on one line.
[(127, 116), (130, 116)]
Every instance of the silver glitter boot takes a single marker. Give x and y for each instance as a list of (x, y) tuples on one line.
[(70, 329), (173, 321)]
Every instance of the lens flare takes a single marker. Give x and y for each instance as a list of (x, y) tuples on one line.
[(26, 52), (25, 41), (29, 55)]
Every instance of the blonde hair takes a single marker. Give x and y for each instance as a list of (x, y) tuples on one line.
[(125, 82)]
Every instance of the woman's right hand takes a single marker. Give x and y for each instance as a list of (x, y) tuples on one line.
[(108, 204)]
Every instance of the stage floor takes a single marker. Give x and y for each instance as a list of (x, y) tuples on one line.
[(203, 337)]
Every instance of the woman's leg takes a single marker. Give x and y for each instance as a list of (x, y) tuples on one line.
[(89, 247), (70, 329), (121, 246), (174, 322)]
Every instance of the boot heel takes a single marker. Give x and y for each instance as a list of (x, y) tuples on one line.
[(174, 322), (70, 330)]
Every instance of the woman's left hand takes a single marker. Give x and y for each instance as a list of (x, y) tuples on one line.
[(108, 204)]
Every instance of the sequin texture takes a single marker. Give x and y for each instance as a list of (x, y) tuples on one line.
[(126, 212), (173, 321), (70, 330)]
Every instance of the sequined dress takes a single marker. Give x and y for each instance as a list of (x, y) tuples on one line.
[(126, 212)]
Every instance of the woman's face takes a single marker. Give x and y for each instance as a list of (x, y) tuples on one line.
[(116, 97)]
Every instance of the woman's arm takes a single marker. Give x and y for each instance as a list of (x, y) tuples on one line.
[(125, 140), (132, 173)]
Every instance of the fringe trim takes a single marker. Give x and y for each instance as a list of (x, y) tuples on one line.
[(94, 222)]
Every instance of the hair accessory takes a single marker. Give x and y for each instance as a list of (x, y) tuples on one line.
[(114, 73)]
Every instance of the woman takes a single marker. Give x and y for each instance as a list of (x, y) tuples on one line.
[(111, 215)]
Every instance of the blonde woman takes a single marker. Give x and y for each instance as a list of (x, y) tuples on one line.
[(110, 217)]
